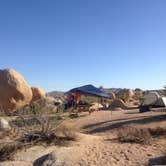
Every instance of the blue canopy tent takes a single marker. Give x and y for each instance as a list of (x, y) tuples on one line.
[(90, 90)]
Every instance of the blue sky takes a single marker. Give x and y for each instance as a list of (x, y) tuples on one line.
[(61, 44)]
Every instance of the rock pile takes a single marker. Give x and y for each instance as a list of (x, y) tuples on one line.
[(15, 92)]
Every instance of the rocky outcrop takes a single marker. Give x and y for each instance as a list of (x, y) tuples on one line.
[(126, 92), (118, 103), (37, 94), (14, 90), (112, 95)]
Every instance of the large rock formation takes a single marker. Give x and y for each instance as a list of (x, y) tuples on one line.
[(118, 103), (126, 92), (38, 94), (14, 90), (112, 95), (50, 100)]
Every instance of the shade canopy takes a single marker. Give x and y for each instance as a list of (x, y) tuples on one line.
[(90, 90)]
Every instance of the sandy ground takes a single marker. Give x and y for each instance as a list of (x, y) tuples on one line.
[(107, 151), (97, 146)]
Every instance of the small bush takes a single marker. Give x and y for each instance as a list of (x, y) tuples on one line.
[(134, 134), (67, 131), (73, 115), (158, 131), (12, 133), (37, 137), (7, 151), (35, 127)]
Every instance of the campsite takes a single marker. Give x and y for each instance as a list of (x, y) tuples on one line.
[(82, 83), (85, 126)]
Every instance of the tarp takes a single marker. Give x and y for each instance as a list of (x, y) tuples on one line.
[(90, 90)]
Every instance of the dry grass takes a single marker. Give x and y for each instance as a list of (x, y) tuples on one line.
[(12, 133), (66, 130), (34, 128), (158, 131), (8, 150), (133, 134), (37, 137)]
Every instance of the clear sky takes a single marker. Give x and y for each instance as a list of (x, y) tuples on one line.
[(61, 44)]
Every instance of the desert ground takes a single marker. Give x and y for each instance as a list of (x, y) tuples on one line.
[(97, 143)]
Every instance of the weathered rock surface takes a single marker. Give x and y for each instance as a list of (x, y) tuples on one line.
[(113, 96), (37, 94), (118, 103), (126, 92), (14, 90)]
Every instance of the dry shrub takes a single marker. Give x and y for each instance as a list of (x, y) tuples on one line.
[(7, 151), (133, 134), (40, 129), (66, 130), (158, 131), (73, 115), (35, 127), (37, 137), (12, 133)]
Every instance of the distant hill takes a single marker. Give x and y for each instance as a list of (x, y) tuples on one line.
[(56, 94), (110, 90)]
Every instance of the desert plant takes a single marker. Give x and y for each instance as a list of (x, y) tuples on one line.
[(133, 134), (158, 131), (36, 128), (66, 130), (8, 150)]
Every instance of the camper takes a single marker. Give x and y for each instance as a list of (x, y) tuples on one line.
[(152, 100)]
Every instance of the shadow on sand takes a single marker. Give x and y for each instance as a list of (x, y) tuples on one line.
[(157, 161), (137, 120)]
